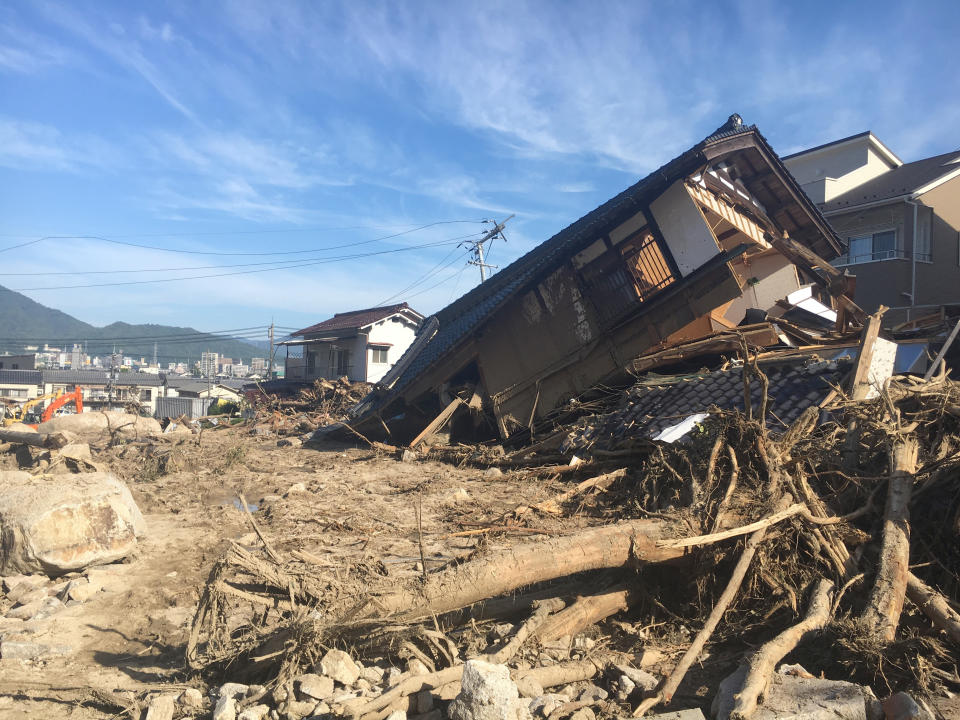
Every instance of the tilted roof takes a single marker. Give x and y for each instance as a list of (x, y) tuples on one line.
[(356, 319), (458, 319), (904, 180)]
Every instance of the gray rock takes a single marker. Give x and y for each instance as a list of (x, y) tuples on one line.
[(257, 712), (191, 698), (594, 693), (315, 686), (58, 523), (487, 693), (19, 586), (233, 690), (37, 610), (584, 714), (37, 593), (19, 650), (641, 678), (692, 714), (80, 590), (300, 708), (492, 472), (225, 709), (339, 666), (408, 456), (424, 701), (373, 674), (900, 706), (160, 708), (544, 705), (796, 698)]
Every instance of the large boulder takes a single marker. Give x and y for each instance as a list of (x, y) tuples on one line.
[(60, 523), (102, 423)]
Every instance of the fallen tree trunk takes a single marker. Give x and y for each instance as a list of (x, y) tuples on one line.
[(882, 614), (611, 546), (583, 613), (50, 441), (761, 664), (934, 606)]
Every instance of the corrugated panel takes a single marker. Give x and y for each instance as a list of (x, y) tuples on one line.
[(174, 407)]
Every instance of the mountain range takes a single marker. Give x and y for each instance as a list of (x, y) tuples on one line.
[(24, 322)]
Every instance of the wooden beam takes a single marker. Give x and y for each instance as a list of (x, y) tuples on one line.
[(835, 281), (438, 422)]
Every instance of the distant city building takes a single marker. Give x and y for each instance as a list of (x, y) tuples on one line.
[(258, 365), (208, 363)]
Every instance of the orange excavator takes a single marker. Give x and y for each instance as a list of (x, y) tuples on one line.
[(59, 400)]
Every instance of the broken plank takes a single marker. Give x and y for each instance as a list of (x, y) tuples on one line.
[(438, 422)]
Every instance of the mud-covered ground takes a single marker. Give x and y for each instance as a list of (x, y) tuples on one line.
[(353, 510)]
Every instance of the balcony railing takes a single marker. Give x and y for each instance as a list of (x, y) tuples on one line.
[(879, 255)]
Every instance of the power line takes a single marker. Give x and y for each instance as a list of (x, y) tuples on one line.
[(180, 269), (436, 268), (236, 254), (265, 231), (242, 272)]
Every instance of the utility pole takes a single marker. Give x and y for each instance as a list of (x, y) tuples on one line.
[(476, 247), (155, 354), (270, 368)]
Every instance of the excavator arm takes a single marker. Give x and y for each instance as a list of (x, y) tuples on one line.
[(76, 397)]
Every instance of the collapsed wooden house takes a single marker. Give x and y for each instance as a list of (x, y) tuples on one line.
[(710, 241)]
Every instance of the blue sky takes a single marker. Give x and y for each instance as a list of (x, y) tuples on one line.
[(305, 128)]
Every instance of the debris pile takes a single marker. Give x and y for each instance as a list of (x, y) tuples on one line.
[(307, 408), (752, 539)]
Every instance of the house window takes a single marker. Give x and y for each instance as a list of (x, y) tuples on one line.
[(868, 248), (13, 392), (340, 363), (627, 275), (378, 355)]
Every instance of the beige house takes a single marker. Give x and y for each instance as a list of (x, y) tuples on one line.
[(899, 222)]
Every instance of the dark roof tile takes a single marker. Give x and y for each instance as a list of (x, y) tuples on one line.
[(355, 319), (906, 179)]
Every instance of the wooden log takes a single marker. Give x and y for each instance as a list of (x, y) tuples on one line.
[(935, 606), (761, 664), (882, 614), (584, 612), (501, 572), (49, 441)]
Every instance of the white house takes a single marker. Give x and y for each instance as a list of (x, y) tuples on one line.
[(361, 345)]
